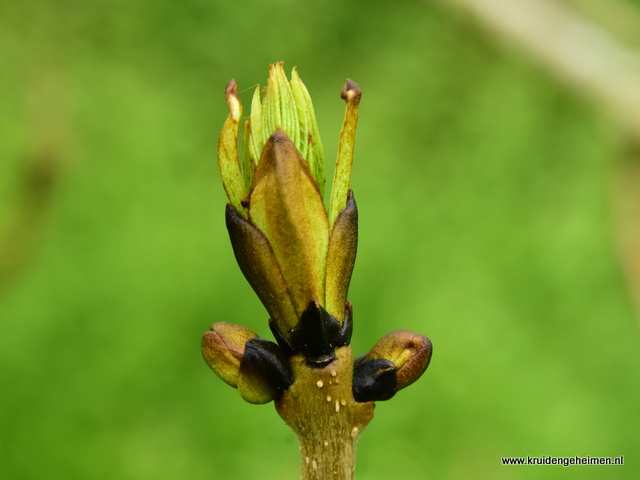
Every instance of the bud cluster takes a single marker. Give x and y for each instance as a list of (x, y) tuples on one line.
[(297, 255)]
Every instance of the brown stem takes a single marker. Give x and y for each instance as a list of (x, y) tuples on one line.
[(321, 409), (626, 211)]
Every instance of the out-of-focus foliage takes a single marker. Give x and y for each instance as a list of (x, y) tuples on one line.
[(483, 190)]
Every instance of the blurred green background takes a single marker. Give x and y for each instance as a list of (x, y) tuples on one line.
[(484, 190)]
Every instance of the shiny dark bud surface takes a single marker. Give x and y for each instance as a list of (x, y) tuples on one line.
[(374, 380)]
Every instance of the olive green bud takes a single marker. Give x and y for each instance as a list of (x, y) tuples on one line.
[(408, 351), (297, 255), (223, 348)]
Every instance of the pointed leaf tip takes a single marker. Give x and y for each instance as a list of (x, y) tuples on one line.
[(228, 159), (235, 107), (342, 176)]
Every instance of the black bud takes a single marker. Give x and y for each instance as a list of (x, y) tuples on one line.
[(316, 335), (374, 380), (264, 371)]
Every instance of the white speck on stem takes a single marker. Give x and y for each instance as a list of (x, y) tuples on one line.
[(319, 384)]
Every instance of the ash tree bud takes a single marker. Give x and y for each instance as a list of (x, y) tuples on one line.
[(223, 348), (409, 352), (374, 380), (264, 372), (258, 368), (297, 255), (401, 354)]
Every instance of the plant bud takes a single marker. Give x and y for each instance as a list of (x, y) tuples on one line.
[(374, 380), (297, 255), (409, 352), (264, 372), (223, 348)]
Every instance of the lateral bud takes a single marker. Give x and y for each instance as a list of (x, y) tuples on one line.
[(264, 372), (223, 348), (408, 351), (374, 380)]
